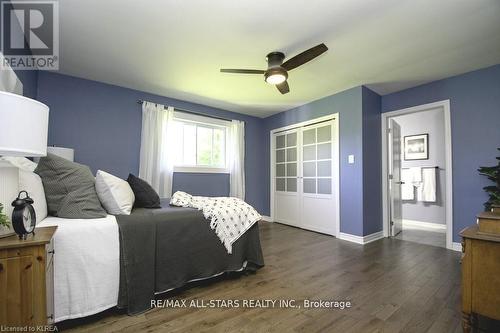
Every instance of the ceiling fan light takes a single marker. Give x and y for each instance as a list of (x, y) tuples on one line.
[(276, 75), (275, 79)]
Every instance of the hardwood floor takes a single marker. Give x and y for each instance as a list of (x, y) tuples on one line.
[(423, 236), (394, 286)]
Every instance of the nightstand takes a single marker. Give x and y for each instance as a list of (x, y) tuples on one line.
[(27, 279), (480, 276)]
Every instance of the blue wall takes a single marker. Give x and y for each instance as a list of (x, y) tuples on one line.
[(475, 121), (475, 124), (102, 123), (349, 105), (359, 131), (372, 163), (110, 113)]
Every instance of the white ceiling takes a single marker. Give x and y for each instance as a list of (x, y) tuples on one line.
[(175, 48)]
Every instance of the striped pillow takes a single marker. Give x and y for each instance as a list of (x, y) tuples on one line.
[(69, 189)]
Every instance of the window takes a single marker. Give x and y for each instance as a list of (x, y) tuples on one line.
[(202, 145)]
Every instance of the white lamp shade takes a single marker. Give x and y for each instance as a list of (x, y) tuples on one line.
[(24, 125), (66, 153)]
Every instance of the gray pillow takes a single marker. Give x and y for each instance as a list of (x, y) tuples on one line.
[(69, 189)]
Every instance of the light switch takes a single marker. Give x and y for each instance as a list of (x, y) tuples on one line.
[(350, 159)]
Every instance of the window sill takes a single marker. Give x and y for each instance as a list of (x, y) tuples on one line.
[(189, 169)]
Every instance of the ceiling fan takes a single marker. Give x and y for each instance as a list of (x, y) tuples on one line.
[(277, 70)]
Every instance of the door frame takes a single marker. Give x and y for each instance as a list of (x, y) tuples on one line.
[(336, 161), (445, 106)]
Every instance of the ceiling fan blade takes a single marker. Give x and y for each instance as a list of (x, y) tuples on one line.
[(304, 57), (283, 87), (242, 71)]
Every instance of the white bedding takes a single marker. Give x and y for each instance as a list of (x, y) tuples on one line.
[(86, 266)]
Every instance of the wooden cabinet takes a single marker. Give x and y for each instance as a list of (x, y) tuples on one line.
[(480, 276), (26, 279)]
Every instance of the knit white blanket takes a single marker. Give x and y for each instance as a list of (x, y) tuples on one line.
[(229, 217)]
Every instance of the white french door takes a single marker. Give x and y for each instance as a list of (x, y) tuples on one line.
[(305, 176)]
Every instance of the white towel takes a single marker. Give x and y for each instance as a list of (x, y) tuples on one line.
[(427, 191), (416, 175), (407, 189)]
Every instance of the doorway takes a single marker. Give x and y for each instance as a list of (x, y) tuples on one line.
[(305, 175), (417, 174)]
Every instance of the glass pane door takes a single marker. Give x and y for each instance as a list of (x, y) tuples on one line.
[(286, 173), (286, 162), (317, 159)]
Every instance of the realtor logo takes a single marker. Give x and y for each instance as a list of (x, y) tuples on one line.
[(30, 34)]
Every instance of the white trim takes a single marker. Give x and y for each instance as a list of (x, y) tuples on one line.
[(456, 246), (199, 169), (337, 171), (333, 116), (445, 105), (422, 224), (272, 158), (361, 239), (305, 123), (267, 218)]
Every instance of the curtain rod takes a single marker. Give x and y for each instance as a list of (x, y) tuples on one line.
[(140, 101)]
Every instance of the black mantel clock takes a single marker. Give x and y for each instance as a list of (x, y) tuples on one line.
[(23, 216)]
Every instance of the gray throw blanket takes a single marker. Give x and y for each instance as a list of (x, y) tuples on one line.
[(162, 249)]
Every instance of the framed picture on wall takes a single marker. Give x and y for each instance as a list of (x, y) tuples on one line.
[(416, 147)]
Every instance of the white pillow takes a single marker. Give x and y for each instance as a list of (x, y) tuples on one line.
[(32, 183), (115, 194), (20, 162)]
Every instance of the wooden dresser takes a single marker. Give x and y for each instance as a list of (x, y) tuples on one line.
[(26, 279), (481, 270)]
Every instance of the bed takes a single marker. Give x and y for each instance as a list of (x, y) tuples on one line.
[(125, 261)]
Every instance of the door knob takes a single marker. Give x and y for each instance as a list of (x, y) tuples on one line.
[(400, 183)]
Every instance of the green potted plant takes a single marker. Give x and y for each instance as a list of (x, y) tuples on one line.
[(493, 174), (4, 220)]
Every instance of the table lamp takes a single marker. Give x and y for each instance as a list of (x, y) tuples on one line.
[(24, 125)]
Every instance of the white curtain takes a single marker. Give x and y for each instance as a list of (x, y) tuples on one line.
[(237, 159), (156, 161)]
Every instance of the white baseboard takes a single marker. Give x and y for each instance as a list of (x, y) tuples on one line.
[(456, 246), (428, 225), (361, 239), (267, 218)]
